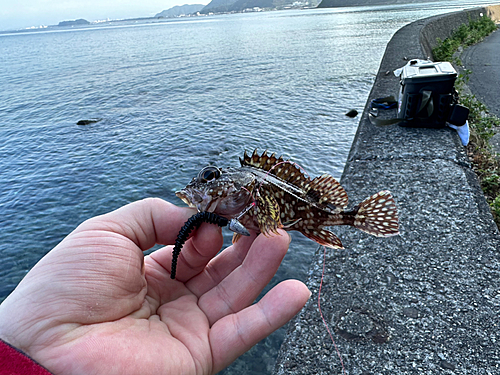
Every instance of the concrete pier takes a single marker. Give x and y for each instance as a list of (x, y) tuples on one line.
[(427, 301)]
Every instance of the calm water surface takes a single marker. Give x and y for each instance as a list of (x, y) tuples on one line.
[(173, 97)]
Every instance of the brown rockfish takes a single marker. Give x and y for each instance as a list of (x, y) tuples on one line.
[(267, 193)]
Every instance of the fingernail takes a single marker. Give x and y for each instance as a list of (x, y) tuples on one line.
[(288, 234)]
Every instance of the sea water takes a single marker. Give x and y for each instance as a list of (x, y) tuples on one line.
[(173, 97)]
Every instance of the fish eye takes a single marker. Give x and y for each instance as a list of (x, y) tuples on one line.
[(208, 174)]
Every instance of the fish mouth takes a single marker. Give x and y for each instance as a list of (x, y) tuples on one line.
[(199, 200), (183, 195)]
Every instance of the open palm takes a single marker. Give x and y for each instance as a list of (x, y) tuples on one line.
[(96, 305)]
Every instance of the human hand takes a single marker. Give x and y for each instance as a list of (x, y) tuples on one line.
[(96, 305)]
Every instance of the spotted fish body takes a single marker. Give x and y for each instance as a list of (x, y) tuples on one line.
[(267, 192)]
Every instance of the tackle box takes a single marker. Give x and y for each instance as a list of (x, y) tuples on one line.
[(427, 97)]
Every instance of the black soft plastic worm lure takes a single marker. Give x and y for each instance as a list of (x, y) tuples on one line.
[(193, 222)]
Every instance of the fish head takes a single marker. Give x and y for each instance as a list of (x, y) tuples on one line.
[(225, 192)]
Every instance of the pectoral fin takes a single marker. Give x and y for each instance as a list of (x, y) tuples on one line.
[(236, 237), (268, 215)]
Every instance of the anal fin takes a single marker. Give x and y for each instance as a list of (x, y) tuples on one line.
[(324, 238)]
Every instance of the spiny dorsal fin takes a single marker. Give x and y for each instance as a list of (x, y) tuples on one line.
[(326, 190), (286, 170), (260, 161)]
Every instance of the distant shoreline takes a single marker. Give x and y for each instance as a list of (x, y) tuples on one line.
[(325, 4), (82, 26), (91, 24), (357, 3)]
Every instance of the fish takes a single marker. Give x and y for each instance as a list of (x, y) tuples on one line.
[(266, 193)]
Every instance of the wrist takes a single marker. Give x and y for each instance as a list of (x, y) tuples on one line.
[(15, 327), (14, 361)]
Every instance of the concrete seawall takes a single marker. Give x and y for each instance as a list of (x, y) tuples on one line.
[(427, 301)]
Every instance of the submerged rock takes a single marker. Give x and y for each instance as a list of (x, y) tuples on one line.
[(88, 122), (352, 113)]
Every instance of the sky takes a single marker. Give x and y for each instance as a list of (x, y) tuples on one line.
[(17, 14)]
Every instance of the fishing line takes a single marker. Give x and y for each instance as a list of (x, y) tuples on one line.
[(282, 162), (254, 201), (324, 261), (193, 223), (321, 313), (253, 198)]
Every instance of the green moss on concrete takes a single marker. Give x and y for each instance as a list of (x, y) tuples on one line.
[(482, 124)]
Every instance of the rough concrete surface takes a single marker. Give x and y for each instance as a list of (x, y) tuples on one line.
[(424, 302), (483, 60)]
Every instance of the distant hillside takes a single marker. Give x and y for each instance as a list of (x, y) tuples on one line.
[(181, 9), (79, 22), (220, 6), (355, 3), (217, 6)]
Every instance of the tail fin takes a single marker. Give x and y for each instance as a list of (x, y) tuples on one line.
[(378, 215)]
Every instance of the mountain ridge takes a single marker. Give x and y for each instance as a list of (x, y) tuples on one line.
[(223, 6), (179, 10)]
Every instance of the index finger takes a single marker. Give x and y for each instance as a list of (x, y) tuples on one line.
[(146, 222), (154, 221)]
